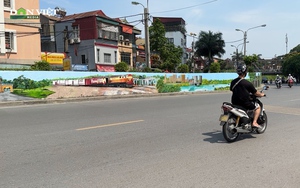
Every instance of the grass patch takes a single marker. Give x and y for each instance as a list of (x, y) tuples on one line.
[(38, 93)]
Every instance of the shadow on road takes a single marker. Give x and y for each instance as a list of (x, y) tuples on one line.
[(217, 137)]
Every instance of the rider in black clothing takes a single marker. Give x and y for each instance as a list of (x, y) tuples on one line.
[(241, 90)]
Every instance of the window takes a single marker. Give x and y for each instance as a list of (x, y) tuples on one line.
[(7, 3), (125, 57), (170, 40), (108, 31), (9, 40), (115, 57), (98, 55), (76, 32), (83, 60), (107, 58)]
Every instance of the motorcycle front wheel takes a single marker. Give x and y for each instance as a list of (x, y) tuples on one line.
[(229, 133), (263, 125)]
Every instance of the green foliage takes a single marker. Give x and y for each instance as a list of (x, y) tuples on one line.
[(41, 65), (157, 70), (166, 88), (133, 70), (183, 68), (34, 93), (157, 36), (210, 44), (167, 65), (295, 49), (170, 55), (215, 67), (25, 83), (211, 82), (121, 67), (291, 64), (223, 88), (169, 88), (147, 69), (250, 60)]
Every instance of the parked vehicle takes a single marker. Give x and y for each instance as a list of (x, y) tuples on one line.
[(236, 120), (264, 80)]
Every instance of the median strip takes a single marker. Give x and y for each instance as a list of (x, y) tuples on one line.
[(108, 125)]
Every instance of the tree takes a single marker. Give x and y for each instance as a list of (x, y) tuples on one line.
[(291, 64), (170, 55), (157, 37), (41, 65), (183, 68), (210, 44), (250, 61), (121, 67), (215, 67), (236, 57), (295, 49)]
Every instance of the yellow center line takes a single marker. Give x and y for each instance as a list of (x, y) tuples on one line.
[(108, 125)]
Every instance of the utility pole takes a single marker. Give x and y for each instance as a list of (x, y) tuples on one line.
[(147, 43), (66, 40), (286, 43), (193, 47)]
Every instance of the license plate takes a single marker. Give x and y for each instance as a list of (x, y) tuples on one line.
[(223, 118)]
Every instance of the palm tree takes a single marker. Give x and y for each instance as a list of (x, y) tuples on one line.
[(210, 44), (236, 57)]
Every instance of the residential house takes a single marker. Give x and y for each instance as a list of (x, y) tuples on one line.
[(48, 33), (20, 38), (127, 44), (175, 32), (95, 40)]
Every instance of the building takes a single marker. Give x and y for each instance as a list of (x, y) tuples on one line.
[(20, 37), (48, 33), (175, 32), (95, 40)]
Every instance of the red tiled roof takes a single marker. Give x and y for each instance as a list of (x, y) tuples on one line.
[(84, 15)]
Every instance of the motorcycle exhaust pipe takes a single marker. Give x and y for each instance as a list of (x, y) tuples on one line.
[(241, 130)]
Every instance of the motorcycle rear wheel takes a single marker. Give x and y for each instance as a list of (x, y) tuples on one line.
[(230, 134), (263, 125)]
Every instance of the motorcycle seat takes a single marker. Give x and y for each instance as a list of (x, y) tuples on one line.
[(235, 106)]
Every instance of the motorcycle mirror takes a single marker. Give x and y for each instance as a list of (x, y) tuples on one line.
[(266, 87)]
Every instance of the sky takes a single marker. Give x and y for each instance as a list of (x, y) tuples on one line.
[(280, 35)]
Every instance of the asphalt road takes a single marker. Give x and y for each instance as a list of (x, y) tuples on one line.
[(169, 141)]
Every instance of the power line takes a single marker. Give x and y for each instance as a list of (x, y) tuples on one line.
[(185, 7)]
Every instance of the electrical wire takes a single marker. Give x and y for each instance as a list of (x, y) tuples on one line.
[(185, 7)]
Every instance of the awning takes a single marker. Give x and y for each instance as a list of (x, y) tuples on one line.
[(107, 21), (126, 29)]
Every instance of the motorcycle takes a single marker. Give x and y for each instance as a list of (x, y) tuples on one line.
[(278, 83), (235, 120), (290, 82)]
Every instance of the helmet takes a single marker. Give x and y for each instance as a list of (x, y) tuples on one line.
[(289, 74), (241, 69)]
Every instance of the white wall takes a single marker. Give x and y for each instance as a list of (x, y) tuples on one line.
[(2, 29)]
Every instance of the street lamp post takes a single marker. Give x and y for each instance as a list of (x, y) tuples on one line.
[(193, 47), (147, 43), (245, 35), (237, 52)]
